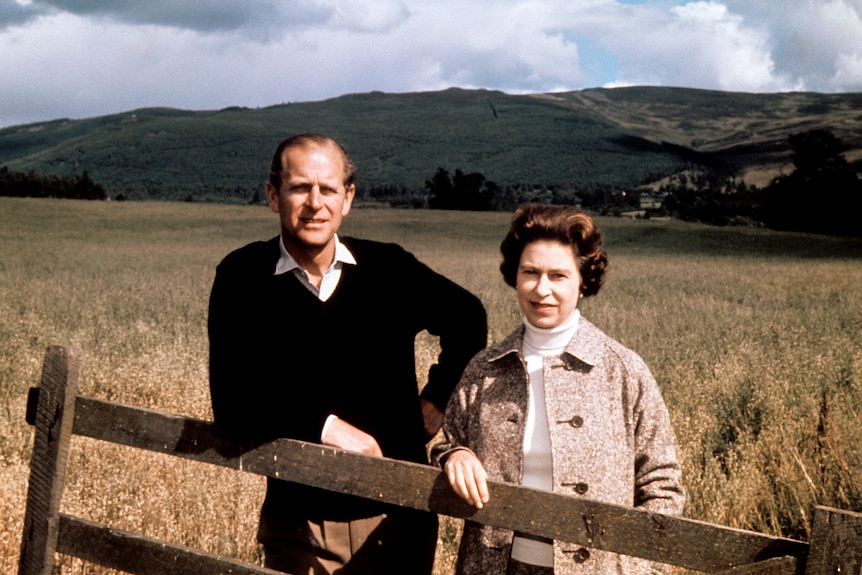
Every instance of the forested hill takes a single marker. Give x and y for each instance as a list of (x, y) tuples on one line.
[(572, 142)]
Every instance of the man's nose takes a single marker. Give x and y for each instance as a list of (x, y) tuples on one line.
[(314, 198)]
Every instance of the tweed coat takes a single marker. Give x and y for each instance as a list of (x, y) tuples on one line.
[(611, 440)]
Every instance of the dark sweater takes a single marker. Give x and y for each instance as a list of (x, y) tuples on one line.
[(281, 360)]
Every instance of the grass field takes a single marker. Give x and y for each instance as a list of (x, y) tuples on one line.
[(755, 338)]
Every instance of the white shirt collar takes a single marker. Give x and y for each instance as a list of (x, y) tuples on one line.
[(331, 277), (286, 262)]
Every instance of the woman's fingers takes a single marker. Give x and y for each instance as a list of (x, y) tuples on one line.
[(467, 478)]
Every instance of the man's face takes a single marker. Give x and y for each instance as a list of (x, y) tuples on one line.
[(312, 200)]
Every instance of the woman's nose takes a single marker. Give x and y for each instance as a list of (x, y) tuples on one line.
[(543, 286)]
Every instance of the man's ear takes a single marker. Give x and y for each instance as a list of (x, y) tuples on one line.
[(349, 194), (272, 196)]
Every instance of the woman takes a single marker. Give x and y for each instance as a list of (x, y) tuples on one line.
[(558, 405)]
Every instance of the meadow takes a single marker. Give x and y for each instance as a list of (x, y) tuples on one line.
[(755, 338)]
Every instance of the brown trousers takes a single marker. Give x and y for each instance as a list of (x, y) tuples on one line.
[(403, 542)]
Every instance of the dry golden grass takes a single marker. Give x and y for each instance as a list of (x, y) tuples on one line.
[(755, 338)]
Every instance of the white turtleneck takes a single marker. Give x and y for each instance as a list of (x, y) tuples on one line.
[(538, 464)]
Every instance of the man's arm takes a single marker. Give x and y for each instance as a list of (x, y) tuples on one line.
[(339, 433), (249, 384), (432, 416), (459, 319)]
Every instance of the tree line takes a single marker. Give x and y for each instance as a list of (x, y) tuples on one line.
[(33, 185), (473, 191), (822, 195)]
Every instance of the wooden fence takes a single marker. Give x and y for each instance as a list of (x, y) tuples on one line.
[(58, 412)]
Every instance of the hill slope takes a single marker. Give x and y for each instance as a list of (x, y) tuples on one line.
[(621, 137)]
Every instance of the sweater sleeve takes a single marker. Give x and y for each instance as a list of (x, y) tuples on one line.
[(458, 318), (244, 386)]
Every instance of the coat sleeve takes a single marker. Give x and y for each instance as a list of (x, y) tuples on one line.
[(658, 484), (455, 419)]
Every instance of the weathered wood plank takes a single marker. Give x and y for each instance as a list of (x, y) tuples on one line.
[(134, 553), (836, 542), (53, 418), (677, 541)]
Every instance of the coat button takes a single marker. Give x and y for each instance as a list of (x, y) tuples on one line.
[(576, 421), (581, 555), (581, 488)]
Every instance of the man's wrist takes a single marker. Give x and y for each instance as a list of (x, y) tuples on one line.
[(326, 425)]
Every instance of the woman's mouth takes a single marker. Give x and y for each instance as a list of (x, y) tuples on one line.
[(542, 307)]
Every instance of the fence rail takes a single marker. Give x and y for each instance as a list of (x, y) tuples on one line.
[(58, 412)]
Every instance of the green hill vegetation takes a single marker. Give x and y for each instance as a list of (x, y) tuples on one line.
[(611, 150), (576, 141)]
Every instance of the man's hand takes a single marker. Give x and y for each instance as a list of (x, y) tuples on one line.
[(432, 417), (467, 477), (345, 436)]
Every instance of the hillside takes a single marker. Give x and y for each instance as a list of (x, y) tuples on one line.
[(618, 138)]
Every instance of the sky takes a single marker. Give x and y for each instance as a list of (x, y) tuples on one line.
[(84, 58)]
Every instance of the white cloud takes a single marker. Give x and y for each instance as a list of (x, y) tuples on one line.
[(66, 58), (732, 55), (809, 39), (848, 71), (507, 46), (697, 44), (370, 16)]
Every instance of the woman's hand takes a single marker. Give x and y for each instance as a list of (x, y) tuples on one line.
[(467, 477)]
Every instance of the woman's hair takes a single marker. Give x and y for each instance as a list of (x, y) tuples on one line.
[(564, 224)]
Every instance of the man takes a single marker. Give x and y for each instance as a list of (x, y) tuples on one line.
[(312, 338)]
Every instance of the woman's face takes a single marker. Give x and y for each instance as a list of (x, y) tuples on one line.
[(548, 283)]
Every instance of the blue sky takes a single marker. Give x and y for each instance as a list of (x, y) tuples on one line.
[(74, 59)]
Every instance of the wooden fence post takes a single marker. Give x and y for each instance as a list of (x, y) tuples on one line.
[(53, 417), (836, 543)]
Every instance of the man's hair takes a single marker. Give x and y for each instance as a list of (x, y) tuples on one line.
[(564, 224), (276, 168)]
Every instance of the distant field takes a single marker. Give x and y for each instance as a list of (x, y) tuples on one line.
[(755, 338)]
